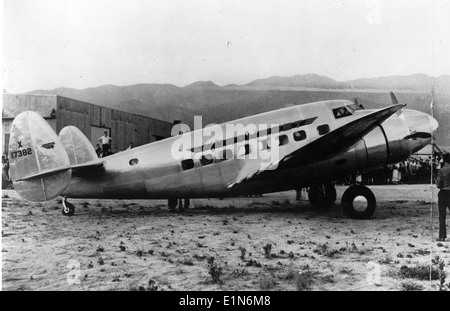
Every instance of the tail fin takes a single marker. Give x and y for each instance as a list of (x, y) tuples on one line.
[(78, 147), (39, 164)]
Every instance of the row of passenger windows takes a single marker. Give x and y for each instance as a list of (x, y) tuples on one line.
[(228, 153), (266, 132)]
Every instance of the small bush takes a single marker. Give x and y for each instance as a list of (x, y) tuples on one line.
[(419, 272), (152, 286), (304, 280), (267, 250), (214, 271), (243, 251), (440, 266), (187, 262), (253, 263), (386, 260), (267, 282), (411, 286), (240, 273)]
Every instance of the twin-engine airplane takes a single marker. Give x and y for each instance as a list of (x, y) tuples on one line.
[(310, 145)]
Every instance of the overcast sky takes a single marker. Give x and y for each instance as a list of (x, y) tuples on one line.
[(86, 43)]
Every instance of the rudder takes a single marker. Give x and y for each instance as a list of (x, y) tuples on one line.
[(77, 145), (39, 164)]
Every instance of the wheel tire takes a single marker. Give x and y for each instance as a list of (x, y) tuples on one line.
[(68, 209), (348, 199), (322, 197)]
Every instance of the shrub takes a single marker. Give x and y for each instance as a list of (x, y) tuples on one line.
[(214, 271), (267, 282)]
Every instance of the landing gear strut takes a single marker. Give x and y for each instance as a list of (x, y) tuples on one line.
[(358, 202), (322, 196), (172, 204), (68, 208)]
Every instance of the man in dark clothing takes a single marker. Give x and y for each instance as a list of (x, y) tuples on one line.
[(443, 183)]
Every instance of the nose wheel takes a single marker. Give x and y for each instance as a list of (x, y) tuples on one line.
[(68, 208), (358, 202)]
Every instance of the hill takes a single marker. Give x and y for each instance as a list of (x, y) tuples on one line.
[(218, 104)]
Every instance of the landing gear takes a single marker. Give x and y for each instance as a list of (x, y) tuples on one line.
[(172, 204), (68, 208), (322, 196), (358, 202)]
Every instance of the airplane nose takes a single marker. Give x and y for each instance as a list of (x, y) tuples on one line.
[(433, 124), (421, 125)]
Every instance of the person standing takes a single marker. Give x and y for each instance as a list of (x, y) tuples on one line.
[(443, 183), (98, 150), (5, 171), (105, 140)]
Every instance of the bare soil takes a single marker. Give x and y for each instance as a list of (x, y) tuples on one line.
[(258, 243)]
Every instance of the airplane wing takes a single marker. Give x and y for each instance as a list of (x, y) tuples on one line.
[(326, 146)]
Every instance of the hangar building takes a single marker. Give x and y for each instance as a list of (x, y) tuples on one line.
[(91, 119)]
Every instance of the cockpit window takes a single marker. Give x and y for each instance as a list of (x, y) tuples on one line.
[(341, 112), (354, 107)]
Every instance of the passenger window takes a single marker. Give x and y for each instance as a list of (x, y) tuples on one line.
[(299, 135), (244, 150), (206, 159), (134, 162), (265, 145), (282, 140), (187, 164), (227, 154), (323, 129)]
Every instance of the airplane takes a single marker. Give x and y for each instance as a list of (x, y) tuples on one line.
[(310, 145)]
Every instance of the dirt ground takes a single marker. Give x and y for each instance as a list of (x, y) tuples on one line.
[(263, 243)]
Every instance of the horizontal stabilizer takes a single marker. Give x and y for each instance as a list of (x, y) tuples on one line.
[(44, 173), (39, 165)]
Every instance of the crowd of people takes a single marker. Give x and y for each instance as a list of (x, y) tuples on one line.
[(415, 170)]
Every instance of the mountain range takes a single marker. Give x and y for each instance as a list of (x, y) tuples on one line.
[(218, 104)]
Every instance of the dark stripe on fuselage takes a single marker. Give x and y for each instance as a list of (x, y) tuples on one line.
[(245, 137)]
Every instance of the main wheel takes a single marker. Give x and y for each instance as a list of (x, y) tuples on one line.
[(68, 208), (322, 196), (358, 202)]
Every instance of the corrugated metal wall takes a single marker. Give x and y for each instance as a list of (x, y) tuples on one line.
[(125, 127), (13, 104)]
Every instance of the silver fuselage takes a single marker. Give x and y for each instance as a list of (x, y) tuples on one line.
[(158, 175)]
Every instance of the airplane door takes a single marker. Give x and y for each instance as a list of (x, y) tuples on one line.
[(97, 132)]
